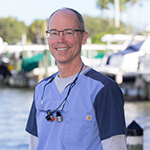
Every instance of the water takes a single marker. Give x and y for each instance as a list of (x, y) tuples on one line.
[(14, 109)]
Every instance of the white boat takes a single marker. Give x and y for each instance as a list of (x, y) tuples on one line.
[(124, 65)]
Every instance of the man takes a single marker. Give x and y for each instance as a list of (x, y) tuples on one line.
[(76, 108)]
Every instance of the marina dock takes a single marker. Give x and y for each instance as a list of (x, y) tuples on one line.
[(128, 65)]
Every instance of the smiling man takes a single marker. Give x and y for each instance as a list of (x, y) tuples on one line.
[(76, 108), (65, 40)]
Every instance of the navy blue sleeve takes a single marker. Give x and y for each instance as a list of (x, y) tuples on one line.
[(31, 124), (109, 109)]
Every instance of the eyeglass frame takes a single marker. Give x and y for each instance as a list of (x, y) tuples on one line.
[(58, 31)]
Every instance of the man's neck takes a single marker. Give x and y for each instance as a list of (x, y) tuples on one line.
[(67, 70)]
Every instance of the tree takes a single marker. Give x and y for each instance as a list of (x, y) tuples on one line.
[(99, 25), (95, 25), (103, 4), (36, 31), (120, 5), (11, 30)]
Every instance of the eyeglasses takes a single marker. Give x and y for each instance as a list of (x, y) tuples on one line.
[(67, 33)]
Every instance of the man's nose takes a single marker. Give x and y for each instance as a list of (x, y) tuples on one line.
[(61, 36)]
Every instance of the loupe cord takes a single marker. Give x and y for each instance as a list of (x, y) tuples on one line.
[(70, 87)]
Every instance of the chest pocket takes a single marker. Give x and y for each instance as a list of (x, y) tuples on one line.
[(79, 129)]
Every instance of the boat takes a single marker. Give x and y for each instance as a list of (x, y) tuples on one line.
[(123, 66)]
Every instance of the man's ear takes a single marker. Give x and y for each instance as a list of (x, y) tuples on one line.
[(85, 36)]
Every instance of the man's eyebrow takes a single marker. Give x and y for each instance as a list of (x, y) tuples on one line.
[(52, 29)]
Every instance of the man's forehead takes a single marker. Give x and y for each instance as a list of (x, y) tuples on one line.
[(63, 19), (64, 12)]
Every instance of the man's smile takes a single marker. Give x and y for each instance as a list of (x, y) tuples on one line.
[(62, 49)]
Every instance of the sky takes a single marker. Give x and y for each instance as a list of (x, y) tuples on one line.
[(30, 10)]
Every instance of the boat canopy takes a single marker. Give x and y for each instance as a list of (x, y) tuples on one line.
[(29, 64)]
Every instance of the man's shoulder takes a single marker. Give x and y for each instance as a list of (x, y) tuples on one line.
[(98, 76), (45, 81)]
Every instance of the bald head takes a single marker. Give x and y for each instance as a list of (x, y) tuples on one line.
[(69, 11)]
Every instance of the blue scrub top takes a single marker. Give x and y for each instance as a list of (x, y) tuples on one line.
[(93, 112)]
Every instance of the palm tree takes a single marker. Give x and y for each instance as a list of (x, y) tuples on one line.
[(119, 6)]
